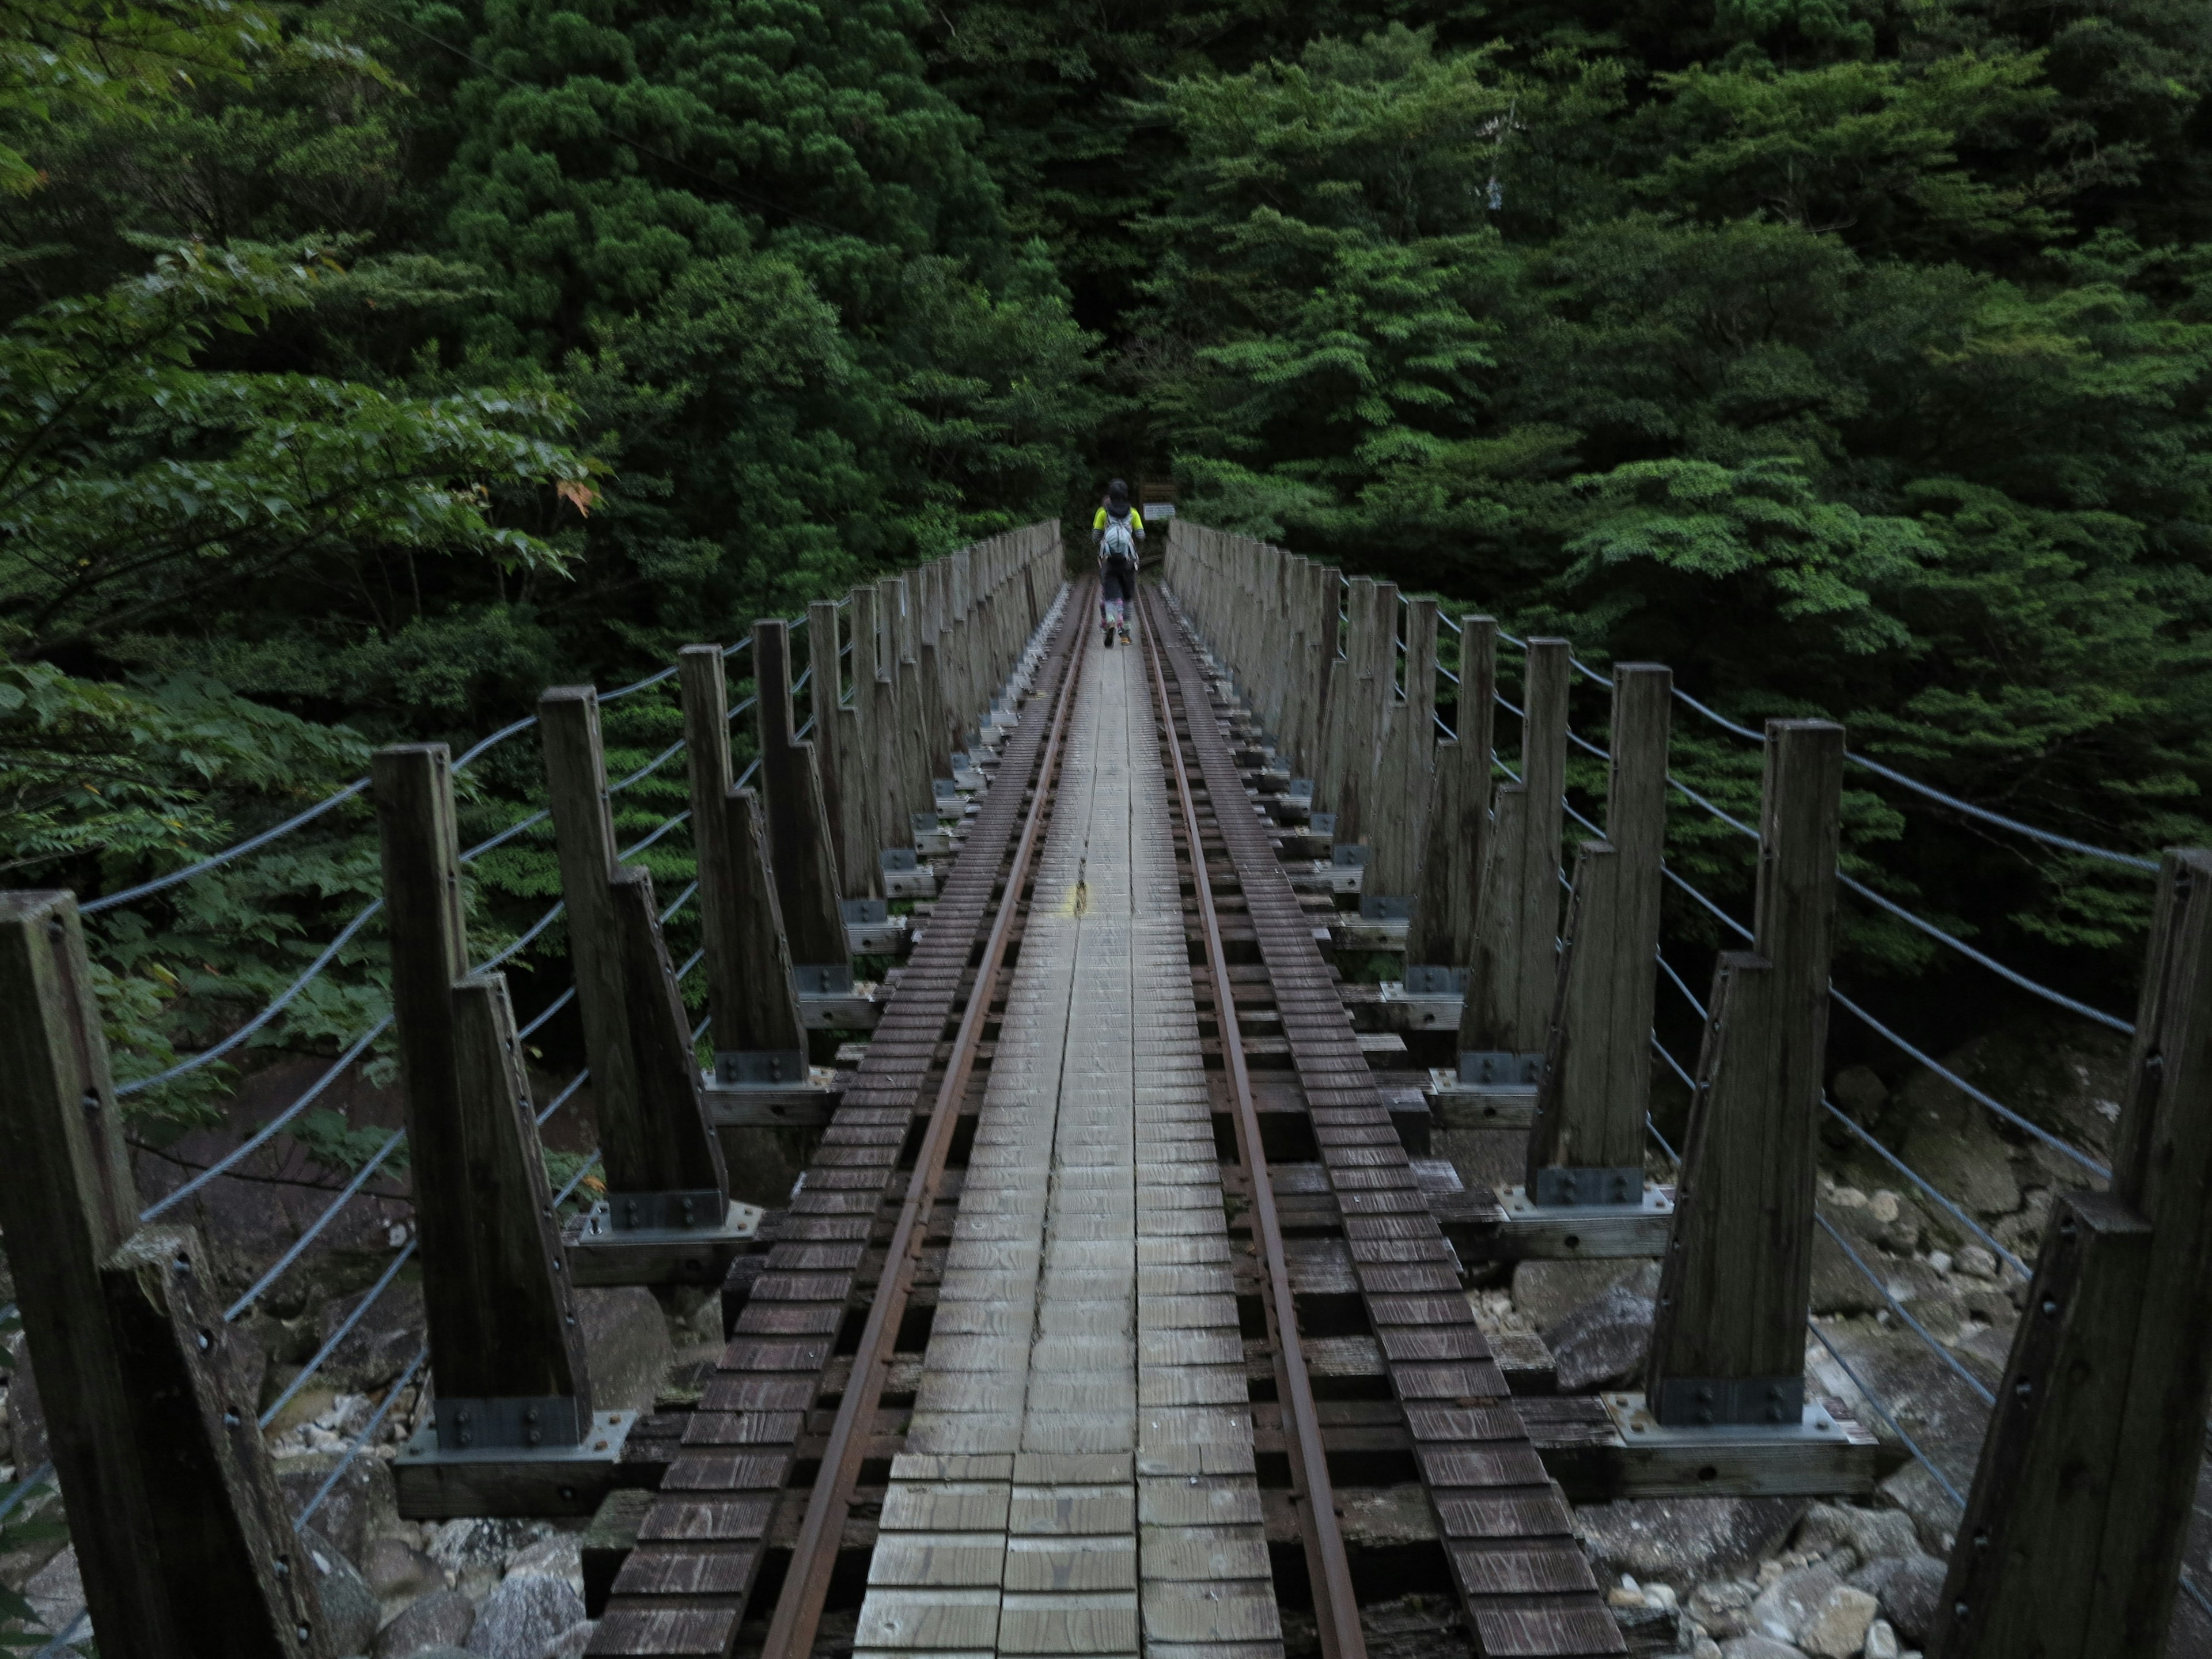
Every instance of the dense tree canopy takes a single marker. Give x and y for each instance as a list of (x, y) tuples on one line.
[(371, 363)]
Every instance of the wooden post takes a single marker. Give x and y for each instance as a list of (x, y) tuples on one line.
[(1443, 932), (800, 858), (502, 1325), (1586, 1146), (835, 731), (664, 1166), (1515, 967), (184, 1546), (863, 775), (749, 987), (2071, 1544), (1729, 1343)]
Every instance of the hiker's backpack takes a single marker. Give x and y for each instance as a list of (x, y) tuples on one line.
[(1119, 543)]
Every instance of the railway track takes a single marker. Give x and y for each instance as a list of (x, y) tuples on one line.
[(1025, 1368)]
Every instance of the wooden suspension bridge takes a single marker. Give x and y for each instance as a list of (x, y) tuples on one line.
[(1120, 1271)]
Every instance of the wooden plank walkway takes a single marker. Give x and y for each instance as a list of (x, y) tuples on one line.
[(682, 1591), (1523, 1579), (1078, 1475)]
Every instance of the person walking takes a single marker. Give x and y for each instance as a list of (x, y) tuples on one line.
[(1115, 530)]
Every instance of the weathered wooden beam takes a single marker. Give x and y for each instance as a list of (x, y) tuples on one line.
[(183, 1544), (2072, 1540), (1729, 1343), (748, 986), (1443, 926), (800, 857), (1587, 1144), (653, 1133), (505, 1346), (836, 729)]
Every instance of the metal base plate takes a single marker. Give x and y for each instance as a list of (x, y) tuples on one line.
[(1480, 1106), (599, 1254), (431, 1484), (1574, 1233), (1820, 1453), (1583, 1186), (1696, 1404), (775, 1068)]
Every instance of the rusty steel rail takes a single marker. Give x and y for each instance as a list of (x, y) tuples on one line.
[(1336, 1609), (798, 1615)]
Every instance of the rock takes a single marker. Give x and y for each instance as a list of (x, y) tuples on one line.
[(1909, 1587), (1839, 1286), (1705, 1648), (475, 1551), (1602, 1343), (378, 1349), (1943, 1417), (561, 1556), (396, 1570), (1881, 1641), (351, 1612), (1724, 1608), (441, 1619), (570, 1642), (1787, 1605), (1684, 1540), (523, 1615), (1954, 1145), (26, 1416), (1838, 1628), (626, 1347), (1547, 1291), (1759, 1647), (1860, 1094), (56, 1591), (361, 1502), (1868, 1533)]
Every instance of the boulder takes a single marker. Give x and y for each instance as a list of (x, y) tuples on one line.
[(1860, 1094), (1683, 1540), (396, 1570), (476, 1550), (1786, 1605), (1724, 1608), (571, 1643), (1838, 1628), (378, 1349), (561, 1556), (1759, 1647), (626, 1347), (1602, 1343), (1868, 1533), (1909, 1587), (441, 1619), (1547, 1291), (56, 1591), (351, 1612), (363, 1502), (1881, 1641), (1954, 1144), (524, 1616)]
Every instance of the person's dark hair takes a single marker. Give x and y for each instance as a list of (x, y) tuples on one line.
[(1118, 490)]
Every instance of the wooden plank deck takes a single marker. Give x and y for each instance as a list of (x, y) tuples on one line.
[(682, 1591), (1525, 1583)]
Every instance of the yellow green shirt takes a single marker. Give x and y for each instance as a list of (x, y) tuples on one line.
[(1136, 520)]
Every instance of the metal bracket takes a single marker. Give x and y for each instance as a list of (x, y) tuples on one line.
[(822, 979), (509, 1423), (1345, 852), (1693, 1402), (1300, 789), (1492, 1068), (1322, 824), (666, 1211), (780, 1069), (949, 802), (1386, 906), (895, 859), (1584, 1185), (866, 912), (1433, 981)]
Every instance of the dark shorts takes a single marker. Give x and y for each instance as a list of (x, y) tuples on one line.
[(1117, 581)]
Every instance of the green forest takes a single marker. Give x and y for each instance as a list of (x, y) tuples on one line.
[(367, 366)]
